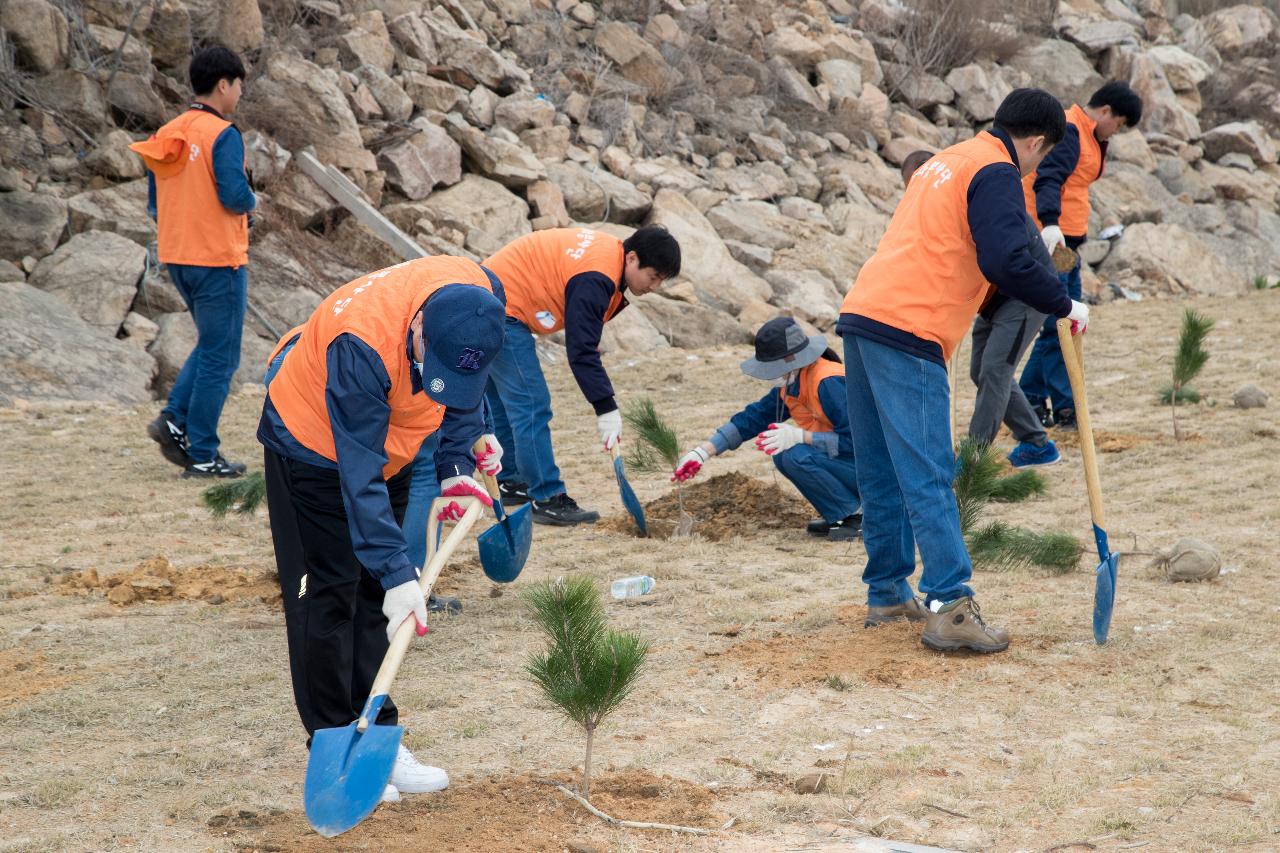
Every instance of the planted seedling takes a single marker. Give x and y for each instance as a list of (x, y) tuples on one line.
[(1188, 360), (656, 448)]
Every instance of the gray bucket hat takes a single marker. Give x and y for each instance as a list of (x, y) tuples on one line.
[(781, 347)]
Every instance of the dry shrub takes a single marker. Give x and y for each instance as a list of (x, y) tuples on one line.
[(935, 36)]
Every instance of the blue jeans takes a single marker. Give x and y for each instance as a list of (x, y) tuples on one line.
[(829, 483), (423, 489), (899, 414), (216, 297), (1045, 376), (521, 405)]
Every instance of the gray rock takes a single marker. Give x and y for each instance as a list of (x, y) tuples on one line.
[(688, 325), (508, 163), (842, 77), (429, 94), (919, 89), (756, 222), (806, 294), (395, 102), (311, 109), (1097, 36), (475, 60), (176, 337), (1059, 67), (485, 211), (979, 90), (627, 203), (793, 87), (38, 31), (1169, 259), (30, 224), (265, 159), (585, 198), (422, 162), (121, 208), (11, 271), (414, 37), (1094, 252), (632, 331), (74, 94), (1128, 194), (1250, 396), (521, 112), (637, 60), (169, 34), (96, 273), (113, 159), (758, 259), (1239, 137), (138, 330), (367, 42), (133, 53), (133, 100), (48, 352)]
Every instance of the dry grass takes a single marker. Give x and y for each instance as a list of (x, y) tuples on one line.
[(136, 725)]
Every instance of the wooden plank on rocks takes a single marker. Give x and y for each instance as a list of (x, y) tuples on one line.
[(338, 185)]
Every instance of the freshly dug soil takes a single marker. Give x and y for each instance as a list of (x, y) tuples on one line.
[(157, 579), (722, 507), (484, 815), (1104, 441)]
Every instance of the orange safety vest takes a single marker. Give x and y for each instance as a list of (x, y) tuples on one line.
[(377, 308), (1074, 218), (806, 408), (535, 268), (924, 277), (192, 226)]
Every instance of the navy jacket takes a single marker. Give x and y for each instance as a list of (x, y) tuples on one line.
[(1052, 173), (586, 301), (770, 409)]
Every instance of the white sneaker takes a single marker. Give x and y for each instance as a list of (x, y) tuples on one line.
[(390, 794), (411, 777)]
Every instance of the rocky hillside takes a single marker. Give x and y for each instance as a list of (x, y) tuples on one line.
[(765, 135)]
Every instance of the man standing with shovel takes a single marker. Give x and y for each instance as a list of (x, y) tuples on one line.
[(960, 224), (383, 362)]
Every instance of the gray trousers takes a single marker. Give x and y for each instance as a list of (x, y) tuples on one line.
[(998, 346)]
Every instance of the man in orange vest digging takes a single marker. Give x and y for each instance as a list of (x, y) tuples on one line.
[(961, 224), (1057, 195), (574, 279), (200, 198), (385, 361)]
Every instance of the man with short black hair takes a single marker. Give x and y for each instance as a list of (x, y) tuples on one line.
[(960, 224), (199, 195), (1057, 196), (574, 279)]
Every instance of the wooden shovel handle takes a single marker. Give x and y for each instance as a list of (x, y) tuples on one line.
[(490, 481), (404, 634), (1072, 347)]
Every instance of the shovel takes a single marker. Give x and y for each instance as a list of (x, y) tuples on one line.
[(349, 766), (1104, 594), (629, 499), (504, 548)]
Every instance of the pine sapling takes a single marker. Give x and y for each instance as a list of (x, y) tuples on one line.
[(1188, 361), (242, 495), (655, 448), (587, 669)]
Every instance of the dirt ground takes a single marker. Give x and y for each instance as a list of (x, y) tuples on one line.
[(166, 723)]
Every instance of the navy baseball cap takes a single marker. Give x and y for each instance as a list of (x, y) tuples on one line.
[(463, 327)]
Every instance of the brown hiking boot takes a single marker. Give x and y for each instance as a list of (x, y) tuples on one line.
[(958, 625), (911, 609)]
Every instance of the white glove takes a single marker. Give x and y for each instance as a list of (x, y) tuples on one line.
[(461, 487), (689, 465), (489, 460), (1052, 236), (779, 437), (1079, 317), (401, 602), (609, 425)]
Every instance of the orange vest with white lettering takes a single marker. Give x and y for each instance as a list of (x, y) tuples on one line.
[(1074, 217), (535, 268), (376, 308), (192, 226), (924, 277), (806, 409)]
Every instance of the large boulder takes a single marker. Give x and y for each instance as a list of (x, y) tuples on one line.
[(30, 224), (236, 24), (395, 103), (485, 211), (463, 54), (96, 273), (1059, 67), (367, 42), (584, 198), (690, 325), (1128, 194), (979, 90), (176, 338), (508, 163), (1240, 30), (133, 101), (1168, 259), (1242, 137), (632, 331), (48, 352), (121, 208), (422, 162), (169, 34), (1162, 111), (757, 223), (1185, 71), (627, 203), (918, 88), (113, 159), (1131, 147), (39, 33), (719, 281), (806, 294), (75, 95), (793, 87), (637, 60)]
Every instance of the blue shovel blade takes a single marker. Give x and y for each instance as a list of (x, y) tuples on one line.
[(504, 547), (1104, 591), (346, 774), (629, 499)]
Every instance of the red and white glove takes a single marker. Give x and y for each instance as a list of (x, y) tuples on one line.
[(403, 602), (1079, 317), (461, 487), (489, 460), (779, 437), (689, 465), (609, 425)]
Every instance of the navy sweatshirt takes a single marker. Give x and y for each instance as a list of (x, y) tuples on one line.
[(1053, 172), (586, 301), (769, 409)]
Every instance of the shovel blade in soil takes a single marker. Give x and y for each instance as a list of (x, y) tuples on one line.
[(504, 548), (629, 500), (346, 774), (1104, 591)]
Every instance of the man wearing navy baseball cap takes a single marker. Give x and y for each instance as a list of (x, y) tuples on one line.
[(384, 362)]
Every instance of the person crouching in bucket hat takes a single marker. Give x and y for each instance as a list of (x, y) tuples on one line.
[(816, 451)]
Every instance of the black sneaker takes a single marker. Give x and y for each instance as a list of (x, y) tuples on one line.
[(513, 493), (446, 604), (562, 511), (217, 467), (846, 529), (1041, 409), (1065, 419), (818, 528), (172, 440)]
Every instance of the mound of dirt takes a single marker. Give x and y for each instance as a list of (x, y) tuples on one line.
[(157, 579), (25, 674), (722, 507), (509, 814)]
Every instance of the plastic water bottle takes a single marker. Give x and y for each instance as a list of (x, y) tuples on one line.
[(631, 587)]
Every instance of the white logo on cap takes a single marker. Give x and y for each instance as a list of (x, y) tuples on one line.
[(545, 319), (437, 385)]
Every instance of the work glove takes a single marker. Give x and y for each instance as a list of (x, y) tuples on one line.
[(609, 425), (1079, 317), (489, 460), (460, 487), (689, 465), (1052, 236), (779, 437), (402, 601)]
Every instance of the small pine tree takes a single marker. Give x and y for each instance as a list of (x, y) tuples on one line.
[(587, 669), (243, 494), (1188, 361), (655, 448)]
